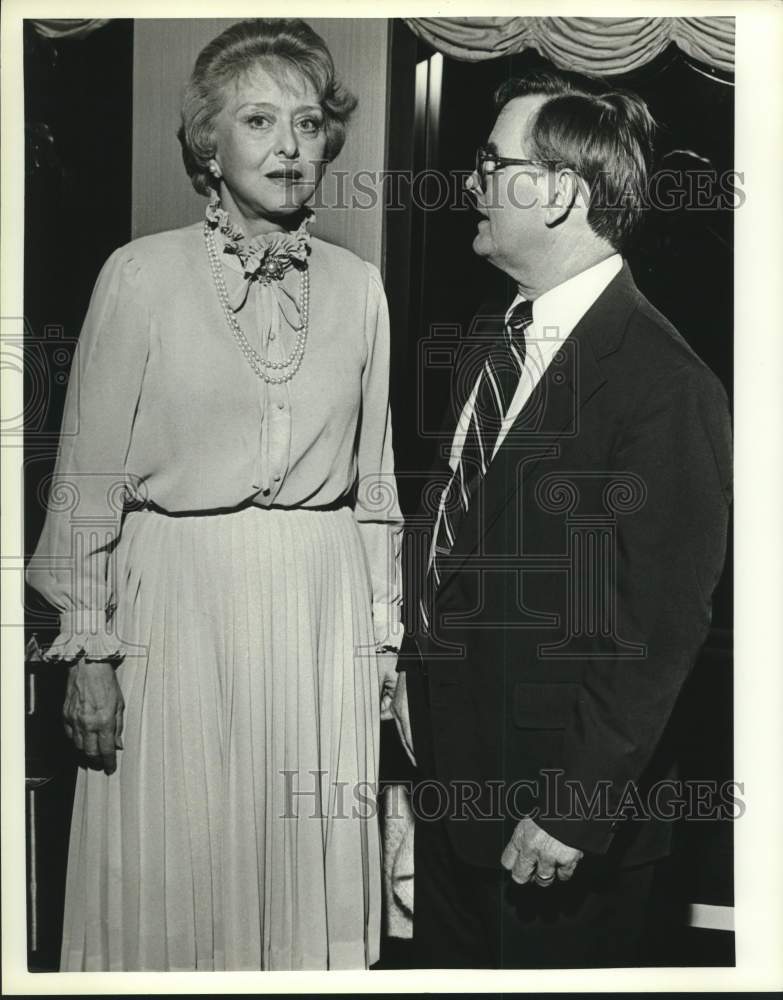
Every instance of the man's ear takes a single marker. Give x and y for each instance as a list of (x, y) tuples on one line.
[(564, 194)]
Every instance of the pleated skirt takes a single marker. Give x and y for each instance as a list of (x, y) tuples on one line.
[(239, 830)]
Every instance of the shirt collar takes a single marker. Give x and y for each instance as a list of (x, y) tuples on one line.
[(266, 257), (556, 312)]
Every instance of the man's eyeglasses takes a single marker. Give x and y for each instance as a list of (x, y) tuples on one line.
[(488, 161)]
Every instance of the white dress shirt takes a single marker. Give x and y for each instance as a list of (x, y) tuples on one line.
[(555, 315)]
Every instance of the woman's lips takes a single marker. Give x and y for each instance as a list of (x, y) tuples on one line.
[(284, 178)]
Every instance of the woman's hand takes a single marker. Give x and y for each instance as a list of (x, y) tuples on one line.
[(93, 712), (387, 678)]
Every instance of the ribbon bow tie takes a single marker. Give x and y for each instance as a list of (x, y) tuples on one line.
[(267, 257), (265, 260)]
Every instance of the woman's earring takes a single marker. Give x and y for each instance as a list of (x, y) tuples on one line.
[(214, 169)]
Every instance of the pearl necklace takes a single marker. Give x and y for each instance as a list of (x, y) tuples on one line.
[(258, 363)]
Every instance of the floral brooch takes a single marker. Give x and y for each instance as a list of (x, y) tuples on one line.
[(264, 258)]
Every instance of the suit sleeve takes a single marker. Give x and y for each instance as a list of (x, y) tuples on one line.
[(669, 556)]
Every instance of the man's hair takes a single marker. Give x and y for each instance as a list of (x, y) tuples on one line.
[(602, 133)]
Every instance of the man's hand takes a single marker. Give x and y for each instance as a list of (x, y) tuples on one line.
[(401, 716), (532, 853), (387, 680), (93, 712)]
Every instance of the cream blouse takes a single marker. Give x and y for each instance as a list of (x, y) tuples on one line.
[(163, 409)]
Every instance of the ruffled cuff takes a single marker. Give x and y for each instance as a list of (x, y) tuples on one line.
[(85, 634), (387, 627)]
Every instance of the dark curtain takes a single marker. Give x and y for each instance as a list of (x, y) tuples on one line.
[(78, 113)]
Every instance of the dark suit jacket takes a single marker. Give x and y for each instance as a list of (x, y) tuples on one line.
[(577, 594)]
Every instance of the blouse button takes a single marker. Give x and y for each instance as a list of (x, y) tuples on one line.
[(281, 405), (271, 336), (277, 479)]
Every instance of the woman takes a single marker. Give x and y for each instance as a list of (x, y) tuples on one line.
[(222, 543)]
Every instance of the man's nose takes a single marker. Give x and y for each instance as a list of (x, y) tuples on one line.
[(475, 188)]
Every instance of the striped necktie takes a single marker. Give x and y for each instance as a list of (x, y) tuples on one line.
[(497, 383)]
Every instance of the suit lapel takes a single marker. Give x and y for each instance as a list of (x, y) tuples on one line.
[(552, 412)]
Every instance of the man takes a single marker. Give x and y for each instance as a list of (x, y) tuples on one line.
[(580, 533)]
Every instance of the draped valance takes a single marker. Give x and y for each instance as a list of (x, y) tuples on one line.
[(68, 27), (596, 45)]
